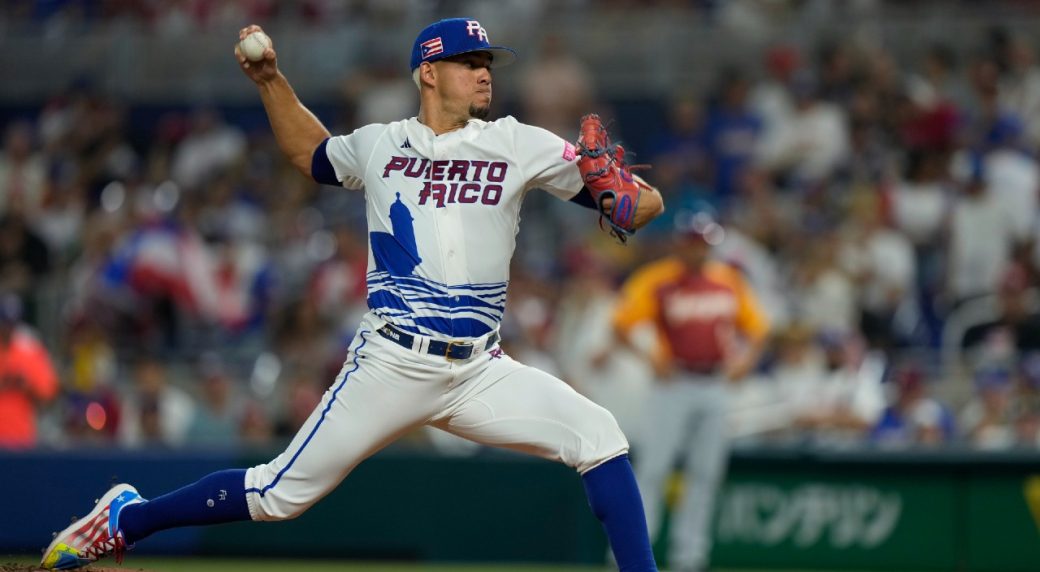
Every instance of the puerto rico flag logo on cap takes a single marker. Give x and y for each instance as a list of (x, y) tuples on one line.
[(432, 47)]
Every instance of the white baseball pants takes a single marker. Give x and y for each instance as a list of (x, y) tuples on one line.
[(385, 390)]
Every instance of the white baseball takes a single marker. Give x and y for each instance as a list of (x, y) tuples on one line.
[(254, 45)]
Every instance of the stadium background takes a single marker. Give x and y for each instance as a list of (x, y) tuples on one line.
[(196, 295)]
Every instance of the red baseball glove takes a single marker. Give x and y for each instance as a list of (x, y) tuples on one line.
[(607, 177)]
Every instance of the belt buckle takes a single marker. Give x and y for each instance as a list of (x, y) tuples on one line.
[(447, 350)]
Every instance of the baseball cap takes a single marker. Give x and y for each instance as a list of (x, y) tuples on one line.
[(455, 36), (688, 224)]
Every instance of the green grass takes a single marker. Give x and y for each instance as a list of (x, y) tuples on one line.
[(152, 564), (189, 564)]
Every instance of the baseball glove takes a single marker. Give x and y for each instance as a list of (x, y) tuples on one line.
[(607, 177)]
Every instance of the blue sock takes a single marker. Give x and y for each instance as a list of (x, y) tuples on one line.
[(614, 498), (216, 498)]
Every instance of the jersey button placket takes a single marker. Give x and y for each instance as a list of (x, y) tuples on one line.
[(443, 221), (451, 230), (451, 259)]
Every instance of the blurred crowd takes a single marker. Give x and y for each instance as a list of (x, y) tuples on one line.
[(176, 17), (171, 281)]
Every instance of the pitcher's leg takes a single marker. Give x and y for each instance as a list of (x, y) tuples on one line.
[(358, 415), (374, 400), (216, 498), (531, 411)]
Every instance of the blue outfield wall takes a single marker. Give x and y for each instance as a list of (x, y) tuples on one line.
[(500, 507), (794, 509)]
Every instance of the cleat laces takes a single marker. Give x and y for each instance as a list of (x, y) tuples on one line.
[(114, 545)]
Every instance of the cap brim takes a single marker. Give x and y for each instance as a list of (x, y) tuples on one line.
[(500, 55)]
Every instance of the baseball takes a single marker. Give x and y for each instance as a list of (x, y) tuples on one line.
[(254, 45)]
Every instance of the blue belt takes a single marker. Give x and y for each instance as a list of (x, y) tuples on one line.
[(449, 350)]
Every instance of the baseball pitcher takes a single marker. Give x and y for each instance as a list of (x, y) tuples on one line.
[(443, 193)]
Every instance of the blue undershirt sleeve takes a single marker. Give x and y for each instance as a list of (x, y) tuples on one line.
[(321, 168), (584, 198)]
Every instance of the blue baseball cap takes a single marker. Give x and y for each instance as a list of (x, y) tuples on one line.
[(698, 224), (456, 36)]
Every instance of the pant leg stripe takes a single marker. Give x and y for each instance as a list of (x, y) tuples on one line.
[(335, 393)]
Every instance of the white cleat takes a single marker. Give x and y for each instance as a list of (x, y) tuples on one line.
[(94, 536)]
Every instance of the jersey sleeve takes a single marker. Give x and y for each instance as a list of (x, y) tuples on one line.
[(638, 302), (345, 157), (547, 161)]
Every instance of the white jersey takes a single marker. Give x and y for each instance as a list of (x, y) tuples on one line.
[(443, 213)]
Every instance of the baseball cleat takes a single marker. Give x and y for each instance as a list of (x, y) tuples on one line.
[(94, 536)]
